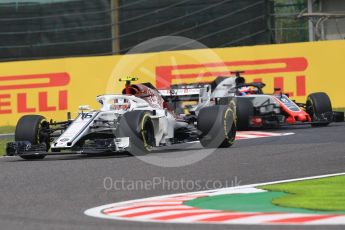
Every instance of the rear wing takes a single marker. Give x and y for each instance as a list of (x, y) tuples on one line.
[(186, 92)]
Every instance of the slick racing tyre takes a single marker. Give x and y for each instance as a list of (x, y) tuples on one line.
[(137, 125), (244, 112), (28, 129), (319, 108), (217, 126)]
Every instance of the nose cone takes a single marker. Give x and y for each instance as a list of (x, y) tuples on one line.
[(302, 118)]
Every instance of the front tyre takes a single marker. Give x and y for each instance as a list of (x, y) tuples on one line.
[(319, 108), (217, 126), (29, 128), (138, 126)]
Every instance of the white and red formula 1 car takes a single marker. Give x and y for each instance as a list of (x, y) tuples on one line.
[(254, 109)]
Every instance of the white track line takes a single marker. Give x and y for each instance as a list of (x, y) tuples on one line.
[(6, 134)]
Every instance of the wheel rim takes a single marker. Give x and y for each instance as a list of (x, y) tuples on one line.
[(41, 139), (310, 108), (231, 133), (147, 133)]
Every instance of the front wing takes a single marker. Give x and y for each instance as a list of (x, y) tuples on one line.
[(21, 148)]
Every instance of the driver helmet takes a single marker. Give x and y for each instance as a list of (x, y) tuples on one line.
[(245, 90)]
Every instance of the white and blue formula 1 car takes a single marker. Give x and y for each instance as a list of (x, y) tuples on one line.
[(136, 121)]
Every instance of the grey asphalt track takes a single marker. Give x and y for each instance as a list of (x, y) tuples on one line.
[(54, 193)]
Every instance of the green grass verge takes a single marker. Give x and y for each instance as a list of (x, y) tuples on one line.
[(3, 141), (3, 145), (248, 202), (327, 194), (7, 129)]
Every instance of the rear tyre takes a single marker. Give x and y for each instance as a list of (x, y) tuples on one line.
[(217, 126), (137, 125), (244, 112), (319, 108), (28, 129)]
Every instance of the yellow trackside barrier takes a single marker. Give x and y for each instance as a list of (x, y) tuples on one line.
[(53, 87)]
